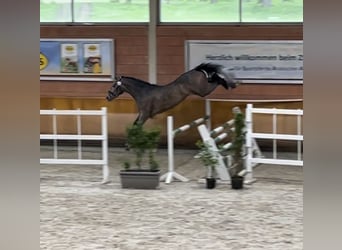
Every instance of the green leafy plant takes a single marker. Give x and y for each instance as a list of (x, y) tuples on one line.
[(208, 157), (237, 149), (142, 142), (127, 165)]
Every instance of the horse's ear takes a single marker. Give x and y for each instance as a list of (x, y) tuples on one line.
[(118, 78)]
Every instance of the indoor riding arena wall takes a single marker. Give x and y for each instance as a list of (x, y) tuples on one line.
[(131, 59)]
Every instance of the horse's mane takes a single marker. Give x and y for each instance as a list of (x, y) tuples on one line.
[(138, 80), (208, 67)]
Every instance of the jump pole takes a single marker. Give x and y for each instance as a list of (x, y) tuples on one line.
[(208, 113)]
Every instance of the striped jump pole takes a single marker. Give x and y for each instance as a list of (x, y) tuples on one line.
[(221, 168), (216, 136), (171, 133), (215, 133), (219, 129)]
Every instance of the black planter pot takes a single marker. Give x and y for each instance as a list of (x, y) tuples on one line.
[(211, 183), (237, 182)]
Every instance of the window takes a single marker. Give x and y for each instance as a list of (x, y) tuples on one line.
[(172, 11), (199, 11), (92, 11), (272, 11), (55, 11), (266, 11)]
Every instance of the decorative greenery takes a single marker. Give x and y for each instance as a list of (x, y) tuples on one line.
[(238, 142), (127, 165), (208, 157), (141, 142)]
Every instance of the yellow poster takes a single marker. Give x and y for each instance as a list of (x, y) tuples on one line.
[(69, 58), (92, 58)]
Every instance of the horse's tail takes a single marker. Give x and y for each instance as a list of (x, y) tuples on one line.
[(216, 73)]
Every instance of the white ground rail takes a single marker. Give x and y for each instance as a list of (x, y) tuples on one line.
[(103, 137), (251, 135)]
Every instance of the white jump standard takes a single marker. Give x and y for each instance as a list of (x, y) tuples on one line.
[(251, 136), (171, 133)]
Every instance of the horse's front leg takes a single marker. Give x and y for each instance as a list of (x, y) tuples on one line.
[(141, 119), (134, 123)]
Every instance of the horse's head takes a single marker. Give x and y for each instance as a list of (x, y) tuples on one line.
[(116, 89)]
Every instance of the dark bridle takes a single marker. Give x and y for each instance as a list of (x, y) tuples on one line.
[(115, 90)]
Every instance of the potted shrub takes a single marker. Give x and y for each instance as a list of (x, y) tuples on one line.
[(237, 170), (145, 174), (209, 159)]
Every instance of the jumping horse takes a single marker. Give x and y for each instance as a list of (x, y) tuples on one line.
[(152, 99)]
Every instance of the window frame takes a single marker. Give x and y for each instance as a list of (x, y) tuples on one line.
[(160, 23)]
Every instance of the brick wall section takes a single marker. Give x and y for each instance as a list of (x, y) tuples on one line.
[(131, 58), (131, 55)]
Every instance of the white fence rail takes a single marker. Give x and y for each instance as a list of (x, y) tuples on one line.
[(251, 135), (103, 137)]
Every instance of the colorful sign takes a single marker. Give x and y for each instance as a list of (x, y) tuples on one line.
[(43, 61), (92, 58), (251, 61), (69, 58), (77, 59)]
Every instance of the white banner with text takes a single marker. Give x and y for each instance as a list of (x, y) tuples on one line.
[(251, 61)]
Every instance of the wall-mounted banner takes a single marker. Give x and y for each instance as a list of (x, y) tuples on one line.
[(77, 59), (251, 61)]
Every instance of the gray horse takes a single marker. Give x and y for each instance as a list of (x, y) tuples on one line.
[(152, 99)]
